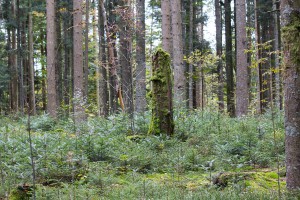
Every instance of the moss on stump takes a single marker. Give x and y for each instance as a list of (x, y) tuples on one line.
[(161, 95)]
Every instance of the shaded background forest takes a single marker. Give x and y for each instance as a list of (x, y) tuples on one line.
[(116, 53)]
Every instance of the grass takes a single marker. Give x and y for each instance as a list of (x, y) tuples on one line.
[(106, 159)]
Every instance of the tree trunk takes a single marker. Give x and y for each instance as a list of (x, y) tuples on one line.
[(179, 70), (218, 13), (86, 50), (250, 21), (277, 47), (58, 56), (43, 55), (23, 65), (19, 56), (79, 100), (14, 68), (31, 65), (102, 89), (51, 59), (125, 54), (191, 68), (242, 90), (229, 63), (166, 26), (67, 23), (200, 82), (140, 90), (258, 57), (115, 85), (111, 34), (290, 16), (161, 95)]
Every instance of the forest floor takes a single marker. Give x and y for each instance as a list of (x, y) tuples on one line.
[(211, 156)]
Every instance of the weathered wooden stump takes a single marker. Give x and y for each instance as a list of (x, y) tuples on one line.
[(161, 95)]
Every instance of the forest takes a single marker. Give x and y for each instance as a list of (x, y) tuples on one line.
[(149, 99)]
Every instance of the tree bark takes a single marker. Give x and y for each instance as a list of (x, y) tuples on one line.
[(86, 50), (20, 67), (67, 24), (102, 89), (13, 66), (242, 90), (191, 68), (277, 48), (229, 63), (79, 100), (125, 54), (43, 55), (218, 13), (179, 70), (31, 65), (115, 90), (200, 82), (258, 57), (58, 55), (166, 26), (290, 16), (161, 95), (111, 34), (51, 60), (140, 90)]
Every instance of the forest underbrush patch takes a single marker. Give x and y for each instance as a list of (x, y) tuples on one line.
[(106, 159)]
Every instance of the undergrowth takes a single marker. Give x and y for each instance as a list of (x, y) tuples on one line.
[(211, 156)]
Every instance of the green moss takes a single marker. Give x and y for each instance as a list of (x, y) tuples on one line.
[(161, 95), (291, 37), (257, 181), (20, 193)]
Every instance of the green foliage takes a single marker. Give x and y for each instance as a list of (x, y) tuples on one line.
[(104, 159)]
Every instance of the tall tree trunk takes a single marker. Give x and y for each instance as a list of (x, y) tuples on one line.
[(86, 50), (111, 33), (13, 67), (242, 90), (43, 55), (115, 85), (191, 68), (23, 66), (229, 63), (250, 14), (58, 55), (125, 55), (19, 56), (179, 70), (200, 82), (102, 89), (31, 65), (290, 16), (68, 55), (140, 90), (277, 47), (218, 13), (166, 26), (79, 100), (258, 57), (51, 59)]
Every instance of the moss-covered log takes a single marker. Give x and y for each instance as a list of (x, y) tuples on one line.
[(161, 95)]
